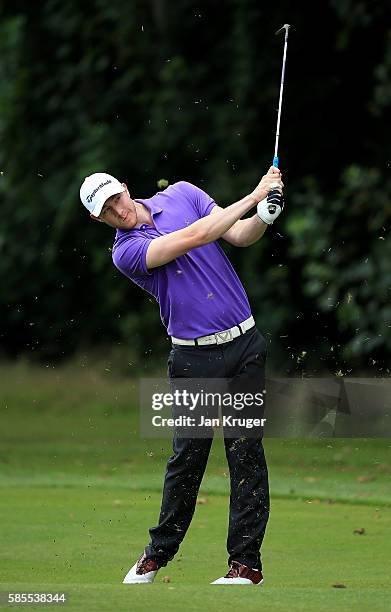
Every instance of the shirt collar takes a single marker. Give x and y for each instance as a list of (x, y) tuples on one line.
[(150, 204)]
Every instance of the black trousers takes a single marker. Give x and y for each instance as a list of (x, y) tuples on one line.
[(242, 359)]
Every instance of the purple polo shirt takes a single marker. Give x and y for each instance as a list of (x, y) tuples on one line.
[(199, 293)]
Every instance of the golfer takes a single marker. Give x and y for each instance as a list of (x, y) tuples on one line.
[(167, 244)]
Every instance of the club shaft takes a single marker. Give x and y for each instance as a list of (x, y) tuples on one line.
[(280, 100)]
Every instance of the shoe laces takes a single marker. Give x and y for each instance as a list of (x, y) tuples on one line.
[(146, 565), (234, 570)]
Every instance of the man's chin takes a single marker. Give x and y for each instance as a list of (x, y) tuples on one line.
[(127, 225)]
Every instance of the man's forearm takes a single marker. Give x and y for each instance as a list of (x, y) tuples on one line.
[(248, 231), (212, 227)]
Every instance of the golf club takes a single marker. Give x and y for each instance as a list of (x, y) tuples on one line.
[(275, 199), (285, 27)]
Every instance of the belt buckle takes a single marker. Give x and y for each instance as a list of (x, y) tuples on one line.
[(223, 336)]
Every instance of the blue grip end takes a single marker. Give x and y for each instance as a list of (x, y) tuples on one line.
[(275, 162)]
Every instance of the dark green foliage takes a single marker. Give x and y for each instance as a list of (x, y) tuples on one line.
[(154, 89)]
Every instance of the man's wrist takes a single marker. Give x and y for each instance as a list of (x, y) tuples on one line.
[(259, 220), (253, 199)]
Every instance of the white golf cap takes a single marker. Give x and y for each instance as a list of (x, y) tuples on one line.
[(95, 190)]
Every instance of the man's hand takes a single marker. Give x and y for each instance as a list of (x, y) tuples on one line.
[(271, 180), (269, 209)]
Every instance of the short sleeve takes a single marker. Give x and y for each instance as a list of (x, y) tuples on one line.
[(129, 256), (201, 201)]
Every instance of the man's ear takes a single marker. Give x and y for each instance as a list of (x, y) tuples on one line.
[(126, 188), (95, 218)]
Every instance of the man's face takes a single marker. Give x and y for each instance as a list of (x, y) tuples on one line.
[(119, 211)]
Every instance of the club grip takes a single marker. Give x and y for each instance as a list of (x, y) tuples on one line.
[(275, 162)]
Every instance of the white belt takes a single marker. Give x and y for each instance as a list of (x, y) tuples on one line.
[(219, 337)]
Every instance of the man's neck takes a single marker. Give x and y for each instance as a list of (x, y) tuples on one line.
[(143, 214)]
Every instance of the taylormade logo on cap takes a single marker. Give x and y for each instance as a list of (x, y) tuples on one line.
[(96, 189), (89, 197)]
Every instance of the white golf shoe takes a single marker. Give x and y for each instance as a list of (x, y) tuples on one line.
[(240, 574), (142, 572)]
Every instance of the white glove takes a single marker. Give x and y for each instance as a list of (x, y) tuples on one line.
[(269, 209)]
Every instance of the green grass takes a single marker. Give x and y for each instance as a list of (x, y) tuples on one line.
[(79, 490), (83, 541)]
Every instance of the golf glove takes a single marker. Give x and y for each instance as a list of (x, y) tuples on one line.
[(269, 208)]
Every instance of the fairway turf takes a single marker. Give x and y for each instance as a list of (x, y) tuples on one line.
[(79, 490), (83, 541)]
